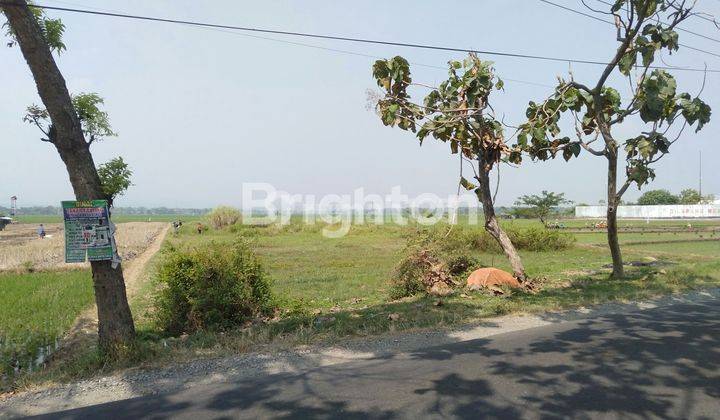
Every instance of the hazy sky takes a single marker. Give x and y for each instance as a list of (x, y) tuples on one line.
[(200, 111)]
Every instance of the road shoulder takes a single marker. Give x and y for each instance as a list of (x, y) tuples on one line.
[(136, 383)]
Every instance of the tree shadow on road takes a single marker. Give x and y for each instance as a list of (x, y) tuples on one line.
[(660, 363), (655, 363)]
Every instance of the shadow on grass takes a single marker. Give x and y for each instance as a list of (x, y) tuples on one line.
[(301, 327)]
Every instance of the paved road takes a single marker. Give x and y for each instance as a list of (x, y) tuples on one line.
[(659, 363)]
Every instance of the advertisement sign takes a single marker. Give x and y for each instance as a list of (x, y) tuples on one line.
[(87, 231)]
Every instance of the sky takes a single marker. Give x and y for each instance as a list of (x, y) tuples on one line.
[(200, 111)]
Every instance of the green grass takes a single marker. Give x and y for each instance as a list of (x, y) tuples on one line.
[(707, 250), (343, 283), (37, 308), (351, 273), (601, 237), (338, 288)]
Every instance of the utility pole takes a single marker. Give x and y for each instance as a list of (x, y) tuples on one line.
[(700, 175)]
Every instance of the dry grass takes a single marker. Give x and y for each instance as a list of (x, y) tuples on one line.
[(21, 249)]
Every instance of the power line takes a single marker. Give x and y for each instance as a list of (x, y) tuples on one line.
[(678, 28), (569, 9), (342, 38), (318, 47)]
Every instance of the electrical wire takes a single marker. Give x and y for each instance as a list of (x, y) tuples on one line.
[(678, 28), (341, 38), (569, 9), (318, 47)]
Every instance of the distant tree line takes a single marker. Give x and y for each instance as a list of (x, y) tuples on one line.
[(665, 197), (150, 211)]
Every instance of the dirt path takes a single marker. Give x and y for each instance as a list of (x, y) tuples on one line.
[(84, 330), (136, 267)]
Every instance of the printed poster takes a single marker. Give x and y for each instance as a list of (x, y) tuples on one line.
[(87, 231)]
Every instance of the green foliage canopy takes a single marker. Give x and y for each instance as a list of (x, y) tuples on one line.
[(658, 197), (115, 177), (690, 196), (51, 29), (455, 112), (542, 205), (648, 28), (95, 121)]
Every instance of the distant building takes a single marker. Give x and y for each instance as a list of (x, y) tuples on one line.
[(696, 211)]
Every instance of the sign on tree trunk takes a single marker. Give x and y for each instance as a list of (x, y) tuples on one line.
[(87, 231)]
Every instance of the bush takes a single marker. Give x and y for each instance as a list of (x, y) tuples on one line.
[(539, 239), (211, 287), (418, 272), (223, 216), (441, 255), (477, 239), (462, 264)]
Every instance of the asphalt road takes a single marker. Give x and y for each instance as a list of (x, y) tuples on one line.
[(658, 363)]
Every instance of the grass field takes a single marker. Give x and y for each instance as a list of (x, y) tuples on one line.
[(325, 273), (36, 309), (338, 288), (21, 249), (344, 283)]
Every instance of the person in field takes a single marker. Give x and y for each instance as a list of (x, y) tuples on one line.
[(176, 226), (41, 231)]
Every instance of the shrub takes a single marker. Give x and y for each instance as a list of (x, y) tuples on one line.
[(440, 255), (418, 272), (461, 264), (540, 239), (223, 216), (477, 239), (211, 287)]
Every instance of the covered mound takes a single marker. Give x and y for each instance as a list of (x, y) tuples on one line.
[(490, 277)]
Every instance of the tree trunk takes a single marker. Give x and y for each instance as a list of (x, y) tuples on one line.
[(612, 203), (491, 224), (115, 320)]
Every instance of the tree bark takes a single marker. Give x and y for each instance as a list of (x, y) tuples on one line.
[(491, 224), (612, 203), (115, 320)]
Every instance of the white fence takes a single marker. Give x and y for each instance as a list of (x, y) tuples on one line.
[(697, 211)]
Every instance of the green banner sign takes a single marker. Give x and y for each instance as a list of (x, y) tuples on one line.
[(87, 231)]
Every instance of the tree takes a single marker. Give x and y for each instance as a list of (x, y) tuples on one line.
[(95, 122), (644, 29), (115, 174), (542, 205), (457, 112), (657, 198), (691, 196), (37, 37), (115, 178)]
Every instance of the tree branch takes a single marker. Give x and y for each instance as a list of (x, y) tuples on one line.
[(622, 189)]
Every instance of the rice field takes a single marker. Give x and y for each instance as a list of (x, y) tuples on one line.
[(22, 250)]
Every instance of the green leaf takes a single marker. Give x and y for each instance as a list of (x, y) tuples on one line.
[(696, 110), (627, 62)]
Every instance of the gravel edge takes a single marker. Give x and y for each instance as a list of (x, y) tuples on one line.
[(136, 383)]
